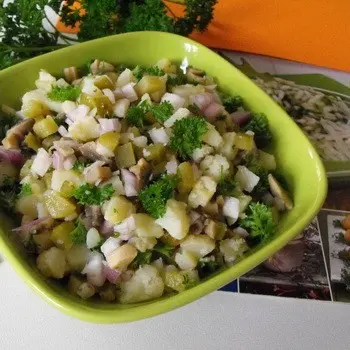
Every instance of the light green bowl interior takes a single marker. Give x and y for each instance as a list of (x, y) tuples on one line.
[(296, 158)]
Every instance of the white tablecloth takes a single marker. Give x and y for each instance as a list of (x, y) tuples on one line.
[(221, 320)]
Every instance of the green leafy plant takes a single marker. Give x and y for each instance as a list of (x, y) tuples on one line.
[(91, 195)]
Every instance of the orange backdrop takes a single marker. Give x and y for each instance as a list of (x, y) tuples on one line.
[(310, 31)]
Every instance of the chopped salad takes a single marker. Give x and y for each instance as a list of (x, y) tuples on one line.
[(135, 182)]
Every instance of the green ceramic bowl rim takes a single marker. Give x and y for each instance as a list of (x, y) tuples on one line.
[(144, 310)]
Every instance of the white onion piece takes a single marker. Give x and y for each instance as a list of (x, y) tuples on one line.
[(175, 100), (171, 167), (230, 209), (107, 125), (68, 163), (92, 238), (78, 113), (112, 275), (247, 179), (121, 107), (42, 210), (62, 131), (130, 183), (111, 244), (94, 270), (129, 92), (126, 228), (41, 163), (213, 111), (109, 93), (69, 122), (92, 113), (103, 151), (178, 115), (57, 160), (159, 136), (96, 164), (118, 93), (240, 231), (202, 101), (68, 106), (140, 141)]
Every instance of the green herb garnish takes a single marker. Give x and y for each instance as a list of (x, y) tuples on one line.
[(136, 114), (260, 126), (163, 111), (164, 249), (67, 93), (154, 197), (26, 190), (140, 71), (90, 194), (78, 235), (231, 103), (227, 186), (187, 134), (142, 258)]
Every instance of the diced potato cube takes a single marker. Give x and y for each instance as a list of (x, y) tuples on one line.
[(202, 192), (34, 109), (227, 147), (186, 260), (84, 290), (174, 280), (215, 229), (77, 257), (58, 206), (145, 284), (186, 175), (98, 173), (146, 226), (52, 263), (84, 130), (32, 141), (199, 245), (215, 166), (45, 127), (26, 205), (267, 160), (212, 137), (117, 209), (60, 235), (122, 257), (109, 140), (233, 248), (150, 84), (175, 220), (143, 243), (125, 77), (166, 66), (125, 156), (43, 241)]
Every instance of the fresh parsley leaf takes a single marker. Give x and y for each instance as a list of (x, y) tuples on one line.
[(260, 126), (187, 134), (188, 282), (162, 111), (136, 114), (142, 258), (164, 249), (259, 222), (26, 190), (78, 235), (231, 103), (61, 94), (140, 71), (154, 197), (207, 266), (89, 194), (178, 79), (227, 186), (79, 166)]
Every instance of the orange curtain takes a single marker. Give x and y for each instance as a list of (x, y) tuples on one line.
[(310, 31)]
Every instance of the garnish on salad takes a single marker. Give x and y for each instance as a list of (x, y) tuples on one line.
[(131, 183)]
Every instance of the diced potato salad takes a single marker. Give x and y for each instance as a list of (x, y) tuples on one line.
[(135, 182)]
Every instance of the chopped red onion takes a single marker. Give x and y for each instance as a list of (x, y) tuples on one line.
[(57, 160), (12, 156), (112, 275), (130, 183), (202, 101), (109, 125), (68, 163), (109, 94), (107, 228), (129, 92), (31, 225), (175, 100), (241, 118), (213, 110)]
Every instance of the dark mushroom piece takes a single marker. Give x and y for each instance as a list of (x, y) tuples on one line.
[(88, 150), (70, 74), (142, 170), (94, 215), (195, 75), (16, 134), (278, 191)]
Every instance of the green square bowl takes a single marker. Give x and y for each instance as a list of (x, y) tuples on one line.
[(295, 156)]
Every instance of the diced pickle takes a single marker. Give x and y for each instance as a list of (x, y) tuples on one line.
[(47, 178), (58, 206), (60, 235), (187, 180), (104, 82), (150, 84), (27, 205), (125, 156), (42, 241), (48, 141), (244, 142), (32, 142), (45, 127), (67, 189), (109, 140), (99, 101), (26, 168), (34, 109), (154, 152)]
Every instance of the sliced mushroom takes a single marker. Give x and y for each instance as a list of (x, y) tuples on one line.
[(98, 67), (98, 174), (142, 170), (195, 75), (278, 191), (93, 213), (88, 150), (70, 74), (16, 134), (215, 229)]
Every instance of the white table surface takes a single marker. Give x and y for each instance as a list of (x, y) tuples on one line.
[(219, 321)]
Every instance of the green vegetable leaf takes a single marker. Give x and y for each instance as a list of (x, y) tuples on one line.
[(164, 249), (154, 197), (79, 166), (187, 134), (163, 111), (260, 126), (26, 190), (142, 258), (90, 194), (227, 186), (178, 79), (140, 71), (136, 114), (231, 103), (61, 94), (207, 266), (78, 235), (188, 282), (259, 222)]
